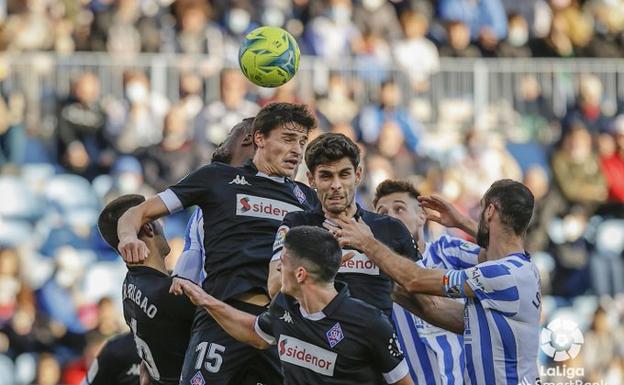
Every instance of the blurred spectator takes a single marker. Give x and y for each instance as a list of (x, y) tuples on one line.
[(109, 320), (75, 371), (337, 106), (215, 120), (486, 19), (48, 371), (547, 206), (114, 29), (459, 42), (283, 94), (29, 30), (576, 169), (191, 100), (170, 160), (599, 348), (612, 159), (537, 119), (515, 45), (608, 28), (416, 54), (12, 130), (83, 147), (378, 17), (136, 121), (332, 34), (197, 33), (372, 57), (372, 118), (127, 178), (588, 108)]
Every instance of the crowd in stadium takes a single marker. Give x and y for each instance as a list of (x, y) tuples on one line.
[(60, 283)]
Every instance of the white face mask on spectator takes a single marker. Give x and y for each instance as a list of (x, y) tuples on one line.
[(238, 20), (340, 14), (136, 92), (518, 36), (372, 5)]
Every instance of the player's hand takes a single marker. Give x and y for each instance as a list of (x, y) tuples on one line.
[(353, 233), (176, 286), (441, 211), (133, 250), (196, 294)]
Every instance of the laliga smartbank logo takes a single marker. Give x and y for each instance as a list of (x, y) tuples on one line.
[(561, 339)]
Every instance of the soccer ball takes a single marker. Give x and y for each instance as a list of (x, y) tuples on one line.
[(269, 56)]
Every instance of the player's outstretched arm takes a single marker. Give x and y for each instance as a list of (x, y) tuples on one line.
[(131, 248), (438, 311), (236, 323), (443, 212), (405, 272)]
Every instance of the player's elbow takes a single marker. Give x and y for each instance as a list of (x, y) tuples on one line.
[(412, 286)]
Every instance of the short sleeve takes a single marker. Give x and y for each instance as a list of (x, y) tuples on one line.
[(452, 253), (191, 190), (407, 245), (191, 261), (265, 323), (494, 286), (386, 352)]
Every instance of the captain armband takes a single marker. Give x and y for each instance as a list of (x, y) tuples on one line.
[(453, 282)]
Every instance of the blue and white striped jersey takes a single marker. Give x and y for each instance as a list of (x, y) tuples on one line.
[(435, 356), (501, 323), (190, 265)]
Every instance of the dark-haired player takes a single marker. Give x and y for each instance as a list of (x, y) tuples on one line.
[(334, 167), (500, 320), (323, 335), (160, 322), (242, 208)]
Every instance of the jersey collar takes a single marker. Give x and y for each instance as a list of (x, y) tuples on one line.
[(332, 306)]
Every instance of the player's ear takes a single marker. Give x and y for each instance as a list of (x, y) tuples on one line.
[(258, 138), (147, 230), (489, 211), (358, 175), (310, 179), (301, 274)]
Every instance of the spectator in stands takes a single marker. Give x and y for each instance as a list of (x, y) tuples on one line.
[(136, 121), (213, 123), (459, 42), (600, 345), (538, 122), (546, 207), (118, 25), (576, 169), (30, 29), (12, 130), (516, 43), (332, 34), (191, 98), (612, 159), (486, 19), (588, 108), (372, 118), (176, 154), (128, 178), (378, 17), (48, 370), (338, 106), (83, 147), (416, 54), (608, 28)]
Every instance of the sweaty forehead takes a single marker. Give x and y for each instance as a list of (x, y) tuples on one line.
[(293, 128), (336, 166)]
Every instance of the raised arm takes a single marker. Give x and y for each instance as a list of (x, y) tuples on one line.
[(132, 249), (443, 212), (238, 324)]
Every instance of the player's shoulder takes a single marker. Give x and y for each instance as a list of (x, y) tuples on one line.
[(355, 308)]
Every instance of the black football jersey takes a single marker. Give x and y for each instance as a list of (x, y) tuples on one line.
[(365, 280), (348, 342), (242, 208), (117, 364), (160, 322)]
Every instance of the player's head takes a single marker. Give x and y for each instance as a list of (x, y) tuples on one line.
[(280, 133), (311, 256), (506, 206), (334, 167), (238, 146), (151, 233), (398, 199)]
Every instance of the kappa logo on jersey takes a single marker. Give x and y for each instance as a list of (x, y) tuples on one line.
[(287, 317), (305, 355), (334, 335), (240, 180), (198, 379), (253, 206), (134, 370), (358, 264)]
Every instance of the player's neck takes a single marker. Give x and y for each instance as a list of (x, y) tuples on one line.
[(314, 298), (155, 261), (263, 165), (503, 245), (419, 236)]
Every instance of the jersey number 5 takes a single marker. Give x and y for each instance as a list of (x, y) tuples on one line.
[(144, 352), (211, 354)]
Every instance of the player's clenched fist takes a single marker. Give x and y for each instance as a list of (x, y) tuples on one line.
[(133, 250)]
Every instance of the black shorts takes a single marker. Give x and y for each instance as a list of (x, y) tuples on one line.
[(213, 357)]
